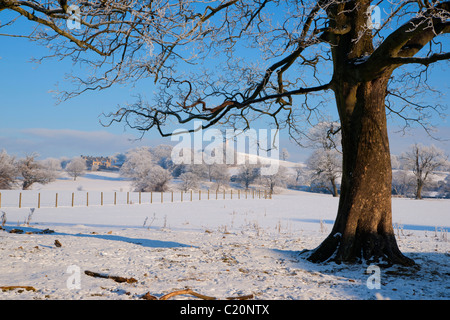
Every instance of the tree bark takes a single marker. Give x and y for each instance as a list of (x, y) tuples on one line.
[(334, 187), (363, 228), (419, 189)]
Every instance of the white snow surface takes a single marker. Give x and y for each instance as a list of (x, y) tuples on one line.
[(218, 248)]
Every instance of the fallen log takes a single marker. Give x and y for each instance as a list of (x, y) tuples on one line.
[(27, 288), (105, 276)]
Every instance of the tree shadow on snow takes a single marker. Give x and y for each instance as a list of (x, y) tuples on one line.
[(427, 280), (149, 243)]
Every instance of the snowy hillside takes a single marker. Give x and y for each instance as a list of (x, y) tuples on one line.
[(219, 248)]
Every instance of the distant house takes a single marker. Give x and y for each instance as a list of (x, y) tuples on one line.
[(99, 163)]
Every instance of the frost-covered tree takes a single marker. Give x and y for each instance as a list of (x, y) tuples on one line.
[(8, 171), (403, 183), (444, 190), (301, 174), (423, 161), (162, 156), (53, 164), (189, 181), (325, 135), (285, 154), (325, 163), (201, 170), (220, 175), (326, 169), (137, 164), (156, 179), (76, 167), (33, 171), (247, 174), (141, 167), (277, 179)]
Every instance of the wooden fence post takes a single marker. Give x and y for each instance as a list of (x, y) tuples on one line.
[(151, 196), (73, 198), (139, 197), (191, 195), (162, 196), (115, 198), (199, 194), (87, 199), (231, 194), (56, 200), (20, 200), (181, 195), (172, 196), (39, 200), (128, 197)]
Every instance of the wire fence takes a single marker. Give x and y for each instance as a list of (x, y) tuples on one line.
[(53, 199)]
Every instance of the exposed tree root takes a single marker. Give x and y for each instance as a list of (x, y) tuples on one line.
[(385, 252)]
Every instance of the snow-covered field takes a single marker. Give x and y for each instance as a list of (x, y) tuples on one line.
[(218, 248)]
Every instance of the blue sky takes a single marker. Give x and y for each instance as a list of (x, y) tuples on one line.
[(30, 120)]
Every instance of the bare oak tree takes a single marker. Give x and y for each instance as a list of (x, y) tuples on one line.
[(231, 62)]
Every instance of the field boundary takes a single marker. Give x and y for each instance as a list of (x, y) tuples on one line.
[(54, 199)]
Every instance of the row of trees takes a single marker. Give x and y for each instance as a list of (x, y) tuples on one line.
[(151, 169), (414, 171), (27, 171)]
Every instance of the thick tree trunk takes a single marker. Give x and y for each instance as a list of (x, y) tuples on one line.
[(363, 228), (334, 187), (419, 189)]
